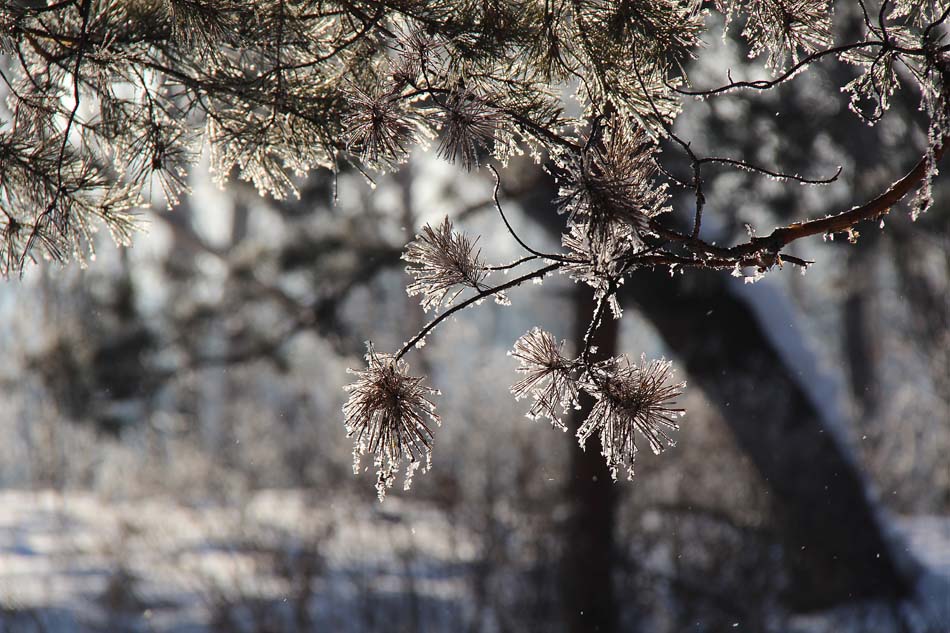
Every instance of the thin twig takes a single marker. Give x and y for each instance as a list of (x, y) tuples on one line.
[(541, 272), (504, 218), (774, 174), (40, 223)]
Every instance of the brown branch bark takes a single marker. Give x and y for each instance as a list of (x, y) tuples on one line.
[(752, 251), (845, 220)]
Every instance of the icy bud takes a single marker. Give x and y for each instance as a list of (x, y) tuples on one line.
[(548, 376), (631, 398), (386, 413)]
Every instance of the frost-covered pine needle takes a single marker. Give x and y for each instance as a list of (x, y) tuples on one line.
[(442, 260), (609, 186), (468, 126), (784, 29), (378, 127), (386, 413), (548, 376), (631, 398)]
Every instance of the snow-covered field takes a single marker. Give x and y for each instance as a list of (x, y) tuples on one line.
[(77, 562)]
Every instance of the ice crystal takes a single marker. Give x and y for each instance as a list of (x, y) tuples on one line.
[(386, 413), (631, 399), (875, 85), (548, 376), (443, 262)]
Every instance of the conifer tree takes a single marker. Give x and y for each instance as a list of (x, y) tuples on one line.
[(110, 101)]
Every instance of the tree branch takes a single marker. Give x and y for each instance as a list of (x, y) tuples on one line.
[(847, 219), (537, 274)]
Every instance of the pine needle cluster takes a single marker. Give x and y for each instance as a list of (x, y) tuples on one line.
[(443, 262), (386, 413), (108, 103), (629, 399)]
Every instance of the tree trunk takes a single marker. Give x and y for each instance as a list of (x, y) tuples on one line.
[(587, 564), (858, 339), (834, 544)]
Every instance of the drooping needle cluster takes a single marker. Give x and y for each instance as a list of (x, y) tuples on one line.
[(387, 414), (630, 399), (443, 262), (549, 376)]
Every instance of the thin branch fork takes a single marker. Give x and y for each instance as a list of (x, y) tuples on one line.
[(846, 220), (772, 244), (794, 70)]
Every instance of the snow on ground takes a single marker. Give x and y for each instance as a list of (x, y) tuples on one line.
[(91, 560), (80, 560), (929, 538)]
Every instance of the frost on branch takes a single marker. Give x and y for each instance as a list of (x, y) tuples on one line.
[(631, 398), (875, 85), (609, 186), (784, 28), (386, 414), (598, 265), (468, 126), (442, 260), (548, 376)]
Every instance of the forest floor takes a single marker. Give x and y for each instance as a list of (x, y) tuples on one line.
[(78, 562)]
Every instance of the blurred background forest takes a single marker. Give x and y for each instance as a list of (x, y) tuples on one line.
[(173, 456)]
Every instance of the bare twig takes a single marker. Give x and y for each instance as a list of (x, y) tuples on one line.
[(482, 294)]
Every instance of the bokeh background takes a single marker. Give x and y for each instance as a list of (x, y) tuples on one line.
[(173, 457)]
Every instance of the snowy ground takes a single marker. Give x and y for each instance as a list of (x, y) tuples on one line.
[(79, 562)]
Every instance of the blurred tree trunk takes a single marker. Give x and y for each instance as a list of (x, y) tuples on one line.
[(834, 543), (586, 567), (929, 301), (835, 547), (860, 343)]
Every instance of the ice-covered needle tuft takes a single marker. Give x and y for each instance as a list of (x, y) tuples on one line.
[(386, 413)]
